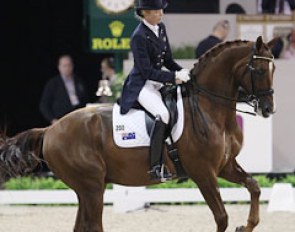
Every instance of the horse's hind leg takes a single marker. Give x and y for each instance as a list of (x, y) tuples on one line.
[(90, 213), (233, 172), (79, 219), (209, 189)]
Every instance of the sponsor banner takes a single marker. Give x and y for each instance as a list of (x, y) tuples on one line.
[(109, 25)]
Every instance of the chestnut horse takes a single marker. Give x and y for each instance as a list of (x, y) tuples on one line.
[(80, 150)]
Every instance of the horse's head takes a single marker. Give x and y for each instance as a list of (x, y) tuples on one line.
[(257, 78)]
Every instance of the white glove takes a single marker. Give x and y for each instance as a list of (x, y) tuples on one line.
[(183, 75)]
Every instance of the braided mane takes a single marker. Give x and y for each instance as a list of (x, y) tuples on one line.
[(222, 46), (216, 50)]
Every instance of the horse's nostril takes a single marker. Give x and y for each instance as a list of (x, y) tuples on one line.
[(267, 108), (267, 111)]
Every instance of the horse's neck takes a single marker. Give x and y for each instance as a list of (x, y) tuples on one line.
[(217, 77), (207, 120)]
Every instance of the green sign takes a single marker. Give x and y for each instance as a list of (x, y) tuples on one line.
[(109, 25)]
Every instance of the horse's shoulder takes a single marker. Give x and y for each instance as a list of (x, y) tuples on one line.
[(234, 138)]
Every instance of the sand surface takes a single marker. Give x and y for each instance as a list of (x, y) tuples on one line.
[(156, 218)]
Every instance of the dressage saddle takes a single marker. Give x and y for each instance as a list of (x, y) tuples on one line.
[(169, 97)]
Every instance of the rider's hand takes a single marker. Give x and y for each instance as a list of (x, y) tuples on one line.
[(178, 82), (182, 75)]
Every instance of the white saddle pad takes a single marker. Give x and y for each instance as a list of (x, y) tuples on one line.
[(129, 130)]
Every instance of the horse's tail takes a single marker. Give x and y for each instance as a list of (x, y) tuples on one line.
[(21, 154)]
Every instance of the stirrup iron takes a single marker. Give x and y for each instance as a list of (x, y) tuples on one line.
[(163, 174)]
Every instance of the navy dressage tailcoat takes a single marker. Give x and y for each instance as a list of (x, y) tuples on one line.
[(150, 54)]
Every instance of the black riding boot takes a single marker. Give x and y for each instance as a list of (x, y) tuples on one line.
[(158, 172)]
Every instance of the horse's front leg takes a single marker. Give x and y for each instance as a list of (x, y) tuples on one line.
[(233, 172), (209, 189)]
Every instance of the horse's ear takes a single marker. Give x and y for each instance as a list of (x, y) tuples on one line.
[(273, 42), (259, 43)]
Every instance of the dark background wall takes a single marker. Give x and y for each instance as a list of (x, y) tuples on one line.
[(193, 6), (33, 34)]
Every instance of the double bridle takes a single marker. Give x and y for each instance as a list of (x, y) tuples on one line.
[(253, 71), (251, 99)]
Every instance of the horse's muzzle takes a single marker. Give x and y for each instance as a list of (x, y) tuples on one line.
[(265, 108)]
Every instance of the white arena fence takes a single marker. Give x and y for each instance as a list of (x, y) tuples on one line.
[(125, 193)]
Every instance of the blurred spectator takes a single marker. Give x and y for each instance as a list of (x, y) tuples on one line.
[(219, 34), (235, 8), (108, 79), (268, 6), (108, 70), (285, 46), (289, 52), (63, 93), (279, 47), (276, 6)]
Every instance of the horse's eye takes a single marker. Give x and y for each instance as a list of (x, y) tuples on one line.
[(260, 71)]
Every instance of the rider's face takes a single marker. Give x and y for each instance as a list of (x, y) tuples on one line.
[(154, 17)]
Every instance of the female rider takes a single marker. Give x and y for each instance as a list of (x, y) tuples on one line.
[(151, 51)]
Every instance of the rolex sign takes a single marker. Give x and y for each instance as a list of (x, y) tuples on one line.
[(109, 25)]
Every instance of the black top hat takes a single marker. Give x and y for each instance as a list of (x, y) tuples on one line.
[(150, 5)]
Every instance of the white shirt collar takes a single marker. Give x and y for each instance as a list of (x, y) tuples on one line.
[(153, 28), (67, 79)]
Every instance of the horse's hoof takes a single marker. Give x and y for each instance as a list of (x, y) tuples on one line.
[(240, 229)]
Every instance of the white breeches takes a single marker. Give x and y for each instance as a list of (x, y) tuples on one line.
[(150, 98)]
